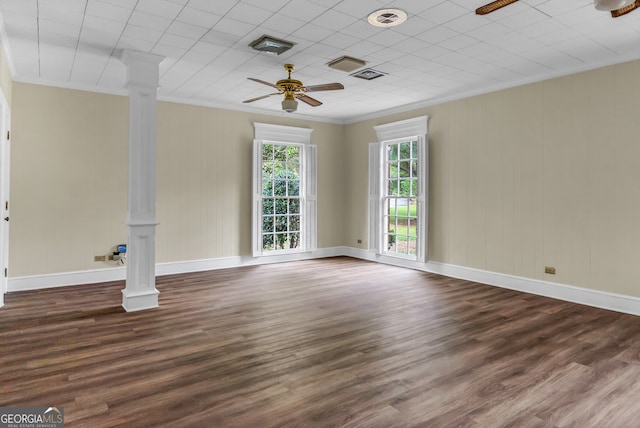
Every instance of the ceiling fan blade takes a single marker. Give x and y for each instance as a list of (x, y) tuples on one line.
[(311, 101), (263, 82), (624, 10), (261, 98), (493, 6), (324, 87)]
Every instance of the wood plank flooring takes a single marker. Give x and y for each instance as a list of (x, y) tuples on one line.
[(334, 342)]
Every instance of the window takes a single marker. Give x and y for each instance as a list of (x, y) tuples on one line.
[(398, 190), (284, 209), (281, 196), (400, 197)]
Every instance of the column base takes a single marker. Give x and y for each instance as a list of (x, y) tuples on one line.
[(138, 301)]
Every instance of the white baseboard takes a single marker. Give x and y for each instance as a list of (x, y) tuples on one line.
[(596, 298), (585, 296), (63, 279), (119, 273), (230, 262)]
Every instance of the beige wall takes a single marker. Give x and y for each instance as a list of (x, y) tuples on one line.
[(546, 174), (69, 180), (540, 175), (204, 181)]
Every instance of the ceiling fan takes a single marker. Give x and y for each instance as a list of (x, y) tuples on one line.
[(292, 89), (617, 7)]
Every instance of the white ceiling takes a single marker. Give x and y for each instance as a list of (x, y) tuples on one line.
[(443, 51)]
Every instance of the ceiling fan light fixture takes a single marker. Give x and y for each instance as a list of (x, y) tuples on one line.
[(271, 45), (610, 5), (289, 104), (387, 17)]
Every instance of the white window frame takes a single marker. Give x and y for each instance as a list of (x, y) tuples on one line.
[(278, 134), (407, 130)]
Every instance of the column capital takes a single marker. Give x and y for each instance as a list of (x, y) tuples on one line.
[(142, 69)]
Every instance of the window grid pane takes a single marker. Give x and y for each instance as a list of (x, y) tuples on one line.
[(400, 208), (281, 205)]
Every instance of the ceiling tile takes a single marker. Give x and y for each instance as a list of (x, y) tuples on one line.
[(129, 4), (250, 14), (23, 7), (107, 10), (445, 12), (458, 42), (340, 41), (311, 32), (232, 26), (86, 71), (206, 47), (443, 50), (437, 34), (105, 26), (135, 32), (146, 20), (217, 7), (333, 20), (51, 9), (272, 5), (528, 17), (282, 24), (193, 32), (303, 10), (197, 17), (135, 44), (414, 26), (176, 41), (169, 51), (388, 37), (163, 8), (358, 9)]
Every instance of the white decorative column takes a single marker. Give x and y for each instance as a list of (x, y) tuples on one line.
[(142, 81)]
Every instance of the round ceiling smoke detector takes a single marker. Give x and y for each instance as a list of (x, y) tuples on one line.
[(387, 17)]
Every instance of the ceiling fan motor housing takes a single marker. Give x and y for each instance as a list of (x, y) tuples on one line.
[(289, 85)]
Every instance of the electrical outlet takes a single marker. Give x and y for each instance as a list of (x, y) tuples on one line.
[(550, 270), (99, 259)]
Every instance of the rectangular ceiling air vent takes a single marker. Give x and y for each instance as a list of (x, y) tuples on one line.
[(347, 63), (271, 45), (368, 74)]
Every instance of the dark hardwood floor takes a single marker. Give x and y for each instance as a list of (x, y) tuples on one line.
[(333, 342)]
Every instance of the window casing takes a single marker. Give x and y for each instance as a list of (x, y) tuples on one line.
[(398, 190), (284, 191)]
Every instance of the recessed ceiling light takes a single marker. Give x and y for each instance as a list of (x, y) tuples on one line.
[(387, 17), (271, 45)]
